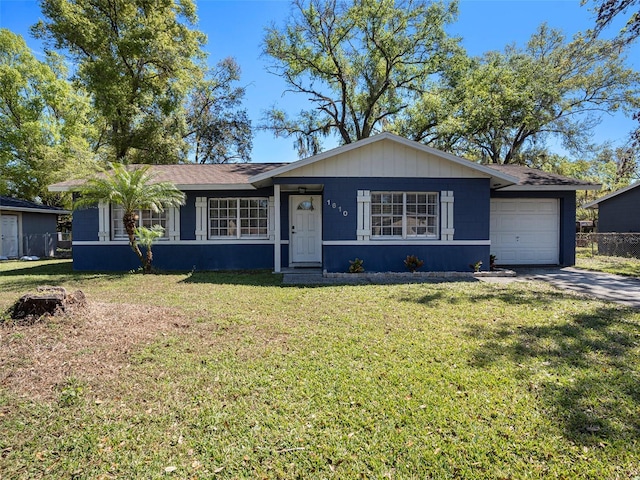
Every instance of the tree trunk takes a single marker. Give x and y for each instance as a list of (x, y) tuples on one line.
[(130, 224), (47, 301), (148, 260)]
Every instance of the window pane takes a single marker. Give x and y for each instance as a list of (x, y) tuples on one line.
[(222, 217), (411, 214), (254, 217), (386, 213), (421, 214), (118, 231), (146, 218)]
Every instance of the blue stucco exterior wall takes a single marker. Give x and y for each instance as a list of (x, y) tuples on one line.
[(201, 257), (567, 250), (85, 224), (390, 258), (120, 257), (471, 206), (471, 222), (620, 213)]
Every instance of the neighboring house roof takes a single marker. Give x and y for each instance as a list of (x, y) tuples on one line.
[(532, 178), (595, 203), (16, 205)]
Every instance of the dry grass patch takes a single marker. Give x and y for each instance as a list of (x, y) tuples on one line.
[(91, 345)]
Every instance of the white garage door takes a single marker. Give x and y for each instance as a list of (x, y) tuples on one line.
[(525, 231)]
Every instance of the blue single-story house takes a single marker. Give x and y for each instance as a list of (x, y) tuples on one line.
[(28, 228), (378, 199)]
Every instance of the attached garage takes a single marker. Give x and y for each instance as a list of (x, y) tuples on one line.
[(525, 231), (533, 222)]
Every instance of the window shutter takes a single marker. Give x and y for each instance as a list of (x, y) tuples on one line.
[(173, 223), (363, 230), (446, 223), (104, 222), (201, 218), (271, 212)]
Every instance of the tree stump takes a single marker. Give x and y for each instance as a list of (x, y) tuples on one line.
[(46, 301)]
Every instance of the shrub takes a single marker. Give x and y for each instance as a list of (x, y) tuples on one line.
[(476, 266), (355, 266), (413, 263)]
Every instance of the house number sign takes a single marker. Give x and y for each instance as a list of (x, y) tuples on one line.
[(339, 207)]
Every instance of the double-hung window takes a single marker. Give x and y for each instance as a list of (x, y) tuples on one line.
[(404, 214), (146, 218), (238, 217)]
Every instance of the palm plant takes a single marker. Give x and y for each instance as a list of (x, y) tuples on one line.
[(133, 189), (146, 237)]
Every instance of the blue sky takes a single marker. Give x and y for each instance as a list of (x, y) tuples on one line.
[(236, 27)]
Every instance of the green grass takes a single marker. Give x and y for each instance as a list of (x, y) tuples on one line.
[(628, 266), (451, 380)]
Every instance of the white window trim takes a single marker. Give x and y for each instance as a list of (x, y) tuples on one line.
[(170, 232), (363, 228), (238, 235), (404, 235)]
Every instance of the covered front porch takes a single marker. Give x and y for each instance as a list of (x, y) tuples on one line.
[(298, 222)]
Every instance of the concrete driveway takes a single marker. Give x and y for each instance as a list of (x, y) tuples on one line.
[(615, 288)]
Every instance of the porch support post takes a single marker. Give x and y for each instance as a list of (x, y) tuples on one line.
[(277, 240)]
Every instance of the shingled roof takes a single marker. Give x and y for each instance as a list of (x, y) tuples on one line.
[(534, 178), (241, 175), (17, 205), (194, 176)]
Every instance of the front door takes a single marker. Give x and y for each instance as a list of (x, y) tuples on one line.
[(9, 230), (305, 220)]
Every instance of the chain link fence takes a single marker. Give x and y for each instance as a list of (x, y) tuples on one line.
[(610, 244)]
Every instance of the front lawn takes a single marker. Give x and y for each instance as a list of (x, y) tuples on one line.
[(587, 259), (209, 375)]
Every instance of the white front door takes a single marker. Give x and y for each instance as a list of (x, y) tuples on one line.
[(9, 229), (305, 229)]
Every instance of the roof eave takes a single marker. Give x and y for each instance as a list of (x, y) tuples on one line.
[(215, 186), (547, 188), (6, 208), (595, 203), (59, 188)]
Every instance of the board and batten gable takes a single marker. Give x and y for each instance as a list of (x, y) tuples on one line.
[(388, 159)]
